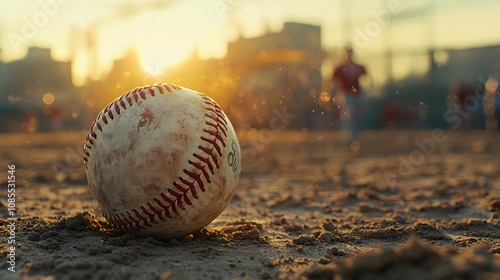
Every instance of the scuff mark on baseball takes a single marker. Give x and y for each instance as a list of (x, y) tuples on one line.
[(162, 161)]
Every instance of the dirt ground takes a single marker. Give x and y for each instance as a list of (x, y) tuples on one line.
[(408, 205)]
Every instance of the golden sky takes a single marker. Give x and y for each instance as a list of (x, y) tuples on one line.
[(166, 31)]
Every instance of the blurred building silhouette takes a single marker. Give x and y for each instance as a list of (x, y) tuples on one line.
[(260, 76), (421, 100), (466, 72), (36, 93), (469, 64)]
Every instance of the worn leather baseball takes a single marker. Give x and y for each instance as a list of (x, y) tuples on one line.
[(162, 161)]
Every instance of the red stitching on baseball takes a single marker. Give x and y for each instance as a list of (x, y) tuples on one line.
[(206, 159), (202, 168), (164, 207), (137, 214), (171, 203), (117, 108), (92, 133), (178, 197), (130, 102), (134, 94), (122, 102), (132, 222), (151, 216), (143, 94), (155, 211), (214, 143), (212, 155)]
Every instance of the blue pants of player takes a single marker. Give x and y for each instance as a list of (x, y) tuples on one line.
[(353, 109)]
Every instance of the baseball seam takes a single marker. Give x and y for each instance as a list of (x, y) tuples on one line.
[(204, 161)]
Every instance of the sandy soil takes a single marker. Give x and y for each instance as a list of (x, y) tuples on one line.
[(306, 208)]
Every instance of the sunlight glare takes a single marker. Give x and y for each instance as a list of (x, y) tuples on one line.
[(155, 62)]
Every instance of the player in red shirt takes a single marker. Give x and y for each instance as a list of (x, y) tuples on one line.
[(346, 78)]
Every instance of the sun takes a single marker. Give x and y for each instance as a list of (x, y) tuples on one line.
[(155, 62)]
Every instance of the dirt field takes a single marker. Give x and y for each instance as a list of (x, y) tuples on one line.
[(409, 205)]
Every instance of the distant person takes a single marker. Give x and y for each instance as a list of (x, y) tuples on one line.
[(345, 78), (459, 92)]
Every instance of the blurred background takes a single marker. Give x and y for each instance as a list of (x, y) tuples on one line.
[(430, 63)]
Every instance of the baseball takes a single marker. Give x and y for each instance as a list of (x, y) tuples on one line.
[(162, 161)]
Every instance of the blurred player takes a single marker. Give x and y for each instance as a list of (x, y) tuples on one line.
[(345, 78)]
